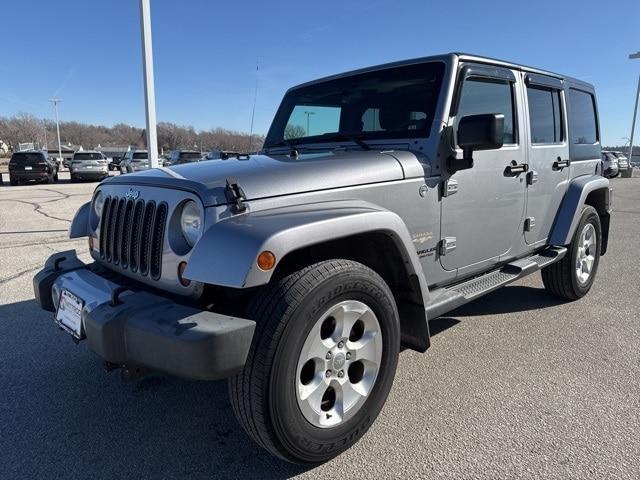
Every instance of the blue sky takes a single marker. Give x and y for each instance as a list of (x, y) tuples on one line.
[(88, 52)]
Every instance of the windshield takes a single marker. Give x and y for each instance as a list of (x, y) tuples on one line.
[(140, 156), (394, 102), (87, 156), (190, 156), (27, 158)]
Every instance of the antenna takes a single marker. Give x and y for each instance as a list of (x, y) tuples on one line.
[(253, 110)]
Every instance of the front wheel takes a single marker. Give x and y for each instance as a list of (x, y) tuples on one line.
[(572, 277), (322, 361)]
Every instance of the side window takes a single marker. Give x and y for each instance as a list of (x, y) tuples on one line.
[(544, 115), (582, 118), (489, 96)]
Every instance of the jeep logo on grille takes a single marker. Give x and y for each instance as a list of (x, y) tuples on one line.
[(132, 194)]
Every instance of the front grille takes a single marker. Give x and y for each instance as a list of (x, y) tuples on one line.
[(132, 235)]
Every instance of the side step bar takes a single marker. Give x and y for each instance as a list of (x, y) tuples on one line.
[(449, 298)]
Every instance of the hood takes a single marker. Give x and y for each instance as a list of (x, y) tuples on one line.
[(263, 176)]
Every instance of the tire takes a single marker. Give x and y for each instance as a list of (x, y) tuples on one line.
[(628, 173), (50, 178), (265, 394), (55, 177), (13, 182), (73, 178), (561, 278)]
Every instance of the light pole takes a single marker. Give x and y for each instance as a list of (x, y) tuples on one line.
[(55, 102), (149, 89), (635, 112), (308, 114)]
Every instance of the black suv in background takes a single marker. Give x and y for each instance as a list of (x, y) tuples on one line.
[(32, 165)]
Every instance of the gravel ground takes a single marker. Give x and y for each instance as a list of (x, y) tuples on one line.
[(515, 385)]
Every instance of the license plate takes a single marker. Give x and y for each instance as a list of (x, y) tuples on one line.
[(28, 168), (69, 314)]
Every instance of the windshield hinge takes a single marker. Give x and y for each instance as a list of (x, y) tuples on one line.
[(235, 196)]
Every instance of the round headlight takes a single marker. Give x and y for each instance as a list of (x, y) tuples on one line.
[(98, 204), (191, 222)]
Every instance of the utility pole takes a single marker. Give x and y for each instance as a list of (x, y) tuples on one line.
[(55, 102), (149, 89), (308, 114), (634, 56)]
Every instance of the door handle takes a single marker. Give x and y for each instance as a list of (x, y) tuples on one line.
[(559, 164), (515, 168)]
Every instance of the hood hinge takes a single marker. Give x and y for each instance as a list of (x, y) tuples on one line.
[(235, 195)]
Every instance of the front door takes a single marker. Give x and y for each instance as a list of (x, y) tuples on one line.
[(486, 214), (548, 153)]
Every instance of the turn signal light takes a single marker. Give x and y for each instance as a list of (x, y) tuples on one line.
[(185, 282), (266, 260)]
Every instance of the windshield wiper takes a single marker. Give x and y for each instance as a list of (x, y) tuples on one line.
[(354, 137)]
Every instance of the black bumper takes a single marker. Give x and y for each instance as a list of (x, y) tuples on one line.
[(139, 328)]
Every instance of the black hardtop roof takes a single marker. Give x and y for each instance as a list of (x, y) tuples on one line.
[(449, 58)]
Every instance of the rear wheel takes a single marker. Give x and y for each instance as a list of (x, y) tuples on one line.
[(322, 361), (572, 277), (13, 181), (628, 173)]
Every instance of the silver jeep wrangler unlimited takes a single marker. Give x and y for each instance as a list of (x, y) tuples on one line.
[(382, 198)]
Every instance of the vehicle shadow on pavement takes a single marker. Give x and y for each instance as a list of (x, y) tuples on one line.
[(64, 417), (509, 299)]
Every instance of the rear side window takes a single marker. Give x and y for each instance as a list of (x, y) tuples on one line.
[(544, 115), (582, 118), (489, 96)]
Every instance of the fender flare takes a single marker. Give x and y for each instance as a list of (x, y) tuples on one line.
[(80, 224), (226, 253), (568, 215)]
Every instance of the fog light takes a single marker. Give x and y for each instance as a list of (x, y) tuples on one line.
[(266, 260), (185, 282)]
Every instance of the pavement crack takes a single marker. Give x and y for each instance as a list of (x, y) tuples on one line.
[(19, 274), (37, 208)]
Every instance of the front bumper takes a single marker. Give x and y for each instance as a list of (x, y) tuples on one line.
[(90, 172), (138, 328)]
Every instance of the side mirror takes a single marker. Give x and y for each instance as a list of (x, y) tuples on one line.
[(477, 132)]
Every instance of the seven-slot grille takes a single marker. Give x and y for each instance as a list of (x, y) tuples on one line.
[(132, 235)]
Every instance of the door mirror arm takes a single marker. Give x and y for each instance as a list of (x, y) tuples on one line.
[(476, 132)]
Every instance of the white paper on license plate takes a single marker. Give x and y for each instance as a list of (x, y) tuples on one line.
[(69, 314), (28, 168)]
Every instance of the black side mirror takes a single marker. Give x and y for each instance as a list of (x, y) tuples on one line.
[(477, 132)]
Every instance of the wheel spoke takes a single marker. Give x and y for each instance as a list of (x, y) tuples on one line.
[(349, 394), (345, 317), (366, 348), (312, 393)]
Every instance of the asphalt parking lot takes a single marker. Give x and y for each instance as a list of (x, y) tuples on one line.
[(516, 385)]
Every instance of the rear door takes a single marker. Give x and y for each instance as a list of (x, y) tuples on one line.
[(548, 154)]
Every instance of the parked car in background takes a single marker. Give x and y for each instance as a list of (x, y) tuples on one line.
[(32, 165), (609, 165), (624, 166), (134, 161), (88, 165), (177, 157), (221, 154)]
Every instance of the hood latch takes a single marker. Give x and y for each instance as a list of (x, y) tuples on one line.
[(235, 196)]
